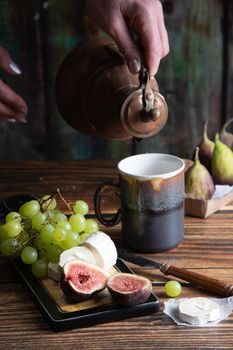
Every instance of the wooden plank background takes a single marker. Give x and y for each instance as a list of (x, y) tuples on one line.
[(39, 34), (207, 249)]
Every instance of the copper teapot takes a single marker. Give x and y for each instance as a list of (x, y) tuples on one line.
[(97, 94)]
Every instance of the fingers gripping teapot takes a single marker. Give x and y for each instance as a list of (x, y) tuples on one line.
[(97, 94)]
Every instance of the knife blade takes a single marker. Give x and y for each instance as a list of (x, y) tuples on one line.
[(137, 259), (197, 279)]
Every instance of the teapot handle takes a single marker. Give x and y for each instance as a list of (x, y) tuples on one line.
[(101, 189)]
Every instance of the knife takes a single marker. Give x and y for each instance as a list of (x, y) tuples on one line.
[(209, 283)]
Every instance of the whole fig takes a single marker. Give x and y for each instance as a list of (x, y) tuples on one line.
[(225, 136), (128, 289), (198, 181), (222, 163), (80, 280), (206, 147)]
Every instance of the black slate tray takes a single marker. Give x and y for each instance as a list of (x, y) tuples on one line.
[(59, 320)]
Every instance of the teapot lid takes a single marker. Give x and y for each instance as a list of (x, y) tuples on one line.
[(144, 112)]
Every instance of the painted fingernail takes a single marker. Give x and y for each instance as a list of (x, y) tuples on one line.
[(134, 66), (10, 120), (16, 120), (15, 68), (22, 120)]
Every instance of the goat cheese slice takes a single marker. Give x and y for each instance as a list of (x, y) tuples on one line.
[(80, 253), (103, 249), (198, 311)]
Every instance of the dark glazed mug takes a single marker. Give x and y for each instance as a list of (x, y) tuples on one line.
[(151, 190)]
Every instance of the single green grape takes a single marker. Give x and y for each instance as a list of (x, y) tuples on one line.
[(59, 216), (77, 222), (80, 207), (91, 226), (54, 212), (53, 253), (31, 208), (48, 203), (12, 228), (172, 288), (46, 233), (72, 240), (13, 215), (9, 247), (64, 224), (74, 236), (59, 234), (38, 220), (29, 255), (40, 268)]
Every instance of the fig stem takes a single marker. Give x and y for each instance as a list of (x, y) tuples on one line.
[(227, 124), (197, 155), (205, 136)]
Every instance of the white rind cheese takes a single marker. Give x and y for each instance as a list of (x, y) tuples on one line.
[(80, 253), (103, 249), (97, 249), (198, 311)]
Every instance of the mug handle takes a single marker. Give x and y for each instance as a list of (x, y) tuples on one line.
[(101, 189)]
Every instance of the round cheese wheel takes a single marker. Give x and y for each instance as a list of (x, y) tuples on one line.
[(198, 311)]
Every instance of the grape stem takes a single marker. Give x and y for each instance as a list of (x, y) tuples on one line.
[(63, 199), (32, 237)]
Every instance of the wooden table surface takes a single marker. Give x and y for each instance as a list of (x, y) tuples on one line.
[(207, 248)]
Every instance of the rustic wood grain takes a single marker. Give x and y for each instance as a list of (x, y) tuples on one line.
[(207, 248)]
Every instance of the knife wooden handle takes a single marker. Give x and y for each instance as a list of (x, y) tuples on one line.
[(212, 284)]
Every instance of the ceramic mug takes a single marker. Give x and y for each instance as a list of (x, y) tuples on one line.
[(151, 190)]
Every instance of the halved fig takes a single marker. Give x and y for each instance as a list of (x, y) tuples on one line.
[(80, 280), (128, 289)]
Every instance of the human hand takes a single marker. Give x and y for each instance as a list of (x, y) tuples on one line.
[(145, 17), (12, 107)]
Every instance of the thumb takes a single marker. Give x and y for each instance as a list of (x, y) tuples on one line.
[(6, 63), (120, 34)]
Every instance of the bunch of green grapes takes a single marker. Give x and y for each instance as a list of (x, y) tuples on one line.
[(39, 232)]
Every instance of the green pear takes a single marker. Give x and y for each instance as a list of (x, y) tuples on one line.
[(206, 147), (198, 181), (222, 163)]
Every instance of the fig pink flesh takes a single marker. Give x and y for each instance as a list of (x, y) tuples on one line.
[(129, 285), (128, 290), (84, 279)]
